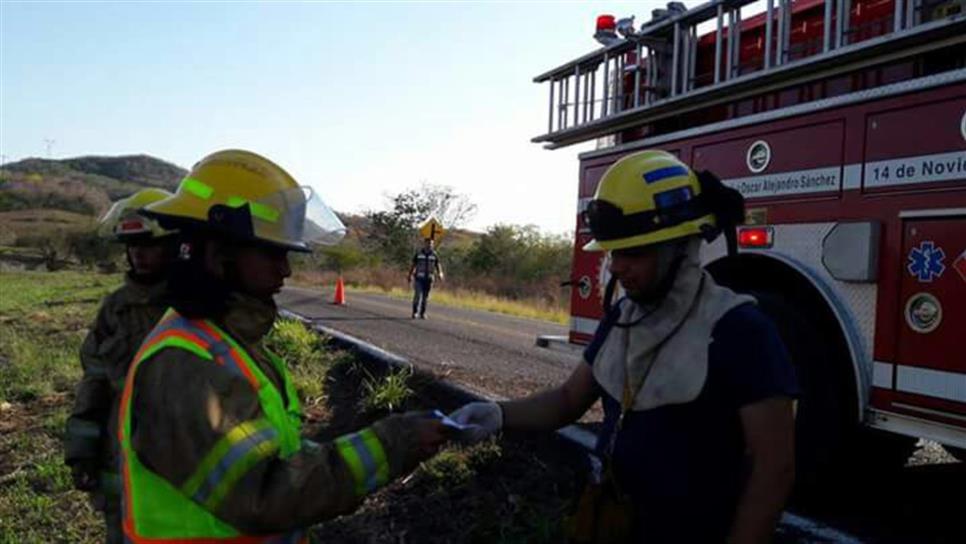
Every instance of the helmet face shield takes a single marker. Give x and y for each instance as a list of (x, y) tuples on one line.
[(322, 226), (293, 217)]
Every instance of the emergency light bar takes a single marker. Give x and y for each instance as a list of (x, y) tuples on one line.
[(756, 237), (606, 33), (606, 22)]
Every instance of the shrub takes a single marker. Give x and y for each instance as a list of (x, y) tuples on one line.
[(295, 344), (306, 357), (389, 392), (449, 468), (91, 249), (457, 465)]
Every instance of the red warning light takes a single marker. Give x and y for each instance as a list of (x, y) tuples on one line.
[(759, 237), (606, 22)]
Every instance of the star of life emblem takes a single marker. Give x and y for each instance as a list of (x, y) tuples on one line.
[(926, 261)]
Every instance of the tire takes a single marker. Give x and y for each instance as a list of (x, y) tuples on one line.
[(831, 447)]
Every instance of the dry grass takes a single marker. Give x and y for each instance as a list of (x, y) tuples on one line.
[(390, 284), (38, 222)]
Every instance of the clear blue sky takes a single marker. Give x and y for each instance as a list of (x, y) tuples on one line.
[(356, 99)]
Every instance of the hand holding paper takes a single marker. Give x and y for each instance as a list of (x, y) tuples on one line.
[(479, 420)]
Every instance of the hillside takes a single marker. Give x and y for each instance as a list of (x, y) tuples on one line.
[(85, 185)]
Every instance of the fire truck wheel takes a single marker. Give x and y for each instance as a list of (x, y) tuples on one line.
[(822, 414), (831, 447)]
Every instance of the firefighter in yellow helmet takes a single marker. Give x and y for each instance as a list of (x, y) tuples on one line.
[(697, 439), (209, 419), (123, 320)]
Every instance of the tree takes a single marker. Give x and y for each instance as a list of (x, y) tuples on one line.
[(452, 209), (390, 236), (393, 231), (520, 257), (340, 258)]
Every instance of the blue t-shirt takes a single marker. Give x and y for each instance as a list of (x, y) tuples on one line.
[(683, 465)]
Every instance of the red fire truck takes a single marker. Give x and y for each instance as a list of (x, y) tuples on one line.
[(843, 123)]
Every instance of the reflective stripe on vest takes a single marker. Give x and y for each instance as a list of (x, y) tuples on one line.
[(157, 512), (203, 334)]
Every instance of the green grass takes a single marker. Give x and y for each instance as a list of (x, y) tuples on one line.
[(295, 343), (44, 317), (480, 301), (387, 392), (40, 507), (43, 320), (456, 465), (307, 358)]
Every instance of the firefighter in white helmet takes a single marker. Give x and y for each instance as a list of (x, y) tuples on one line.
[(123, 320), (210, 420), (697, 388)]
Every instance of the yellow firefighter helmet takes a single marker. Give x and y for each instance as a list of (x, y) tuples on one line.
[(124, 223), (249, 197), (647, 198)]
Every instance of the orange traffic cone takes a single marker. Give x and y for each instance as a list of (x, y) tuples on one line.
[(339, 292)]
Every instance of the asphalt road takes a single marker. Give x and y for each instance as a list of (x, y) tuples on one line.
[(495, 355), (492, 354)]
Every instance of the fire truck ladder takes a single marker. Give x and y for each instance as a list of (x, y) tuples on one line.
[(662, 58)]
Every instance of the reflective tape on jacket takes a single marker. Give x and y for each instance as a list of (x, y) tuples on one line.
[(366, 458), (229, 460)]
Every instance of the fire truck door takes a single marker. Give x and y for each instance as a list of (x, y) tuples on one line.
[(931, 350)]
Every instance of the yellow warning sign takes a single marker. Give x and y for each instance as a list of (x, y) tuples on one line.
[(432, 229)]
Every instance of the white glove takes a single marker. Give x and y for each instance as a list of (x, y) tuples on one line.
[(483, 419)]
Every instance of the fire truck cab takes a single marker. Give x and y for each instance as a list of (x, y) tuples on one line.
[(843, 124)]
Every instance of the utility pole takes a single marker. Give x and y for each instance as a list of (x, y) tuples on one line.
[(49, 143)]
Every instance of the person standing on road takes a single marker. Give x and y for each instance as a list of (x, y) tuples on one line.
[(123, 320), (697, 440), (210, 419), (425, 269)]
